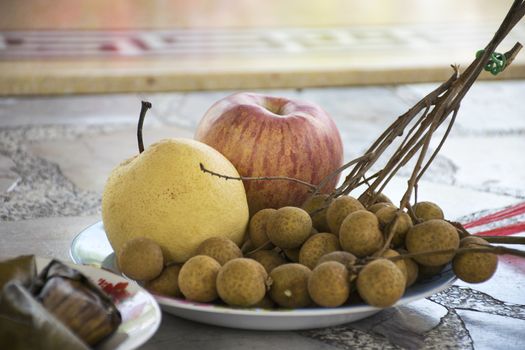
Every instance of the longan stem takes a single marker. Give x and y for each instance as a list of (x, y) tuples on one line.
[(484, 249), (391, 231), (143, 109), (503, 239), (432, 110), (266, 245)]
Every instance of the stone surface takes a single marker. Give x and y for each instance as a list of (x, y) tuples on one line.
[(493, 107), (46, 237), (71, 110), (401, 327), (493, 332), (176, 333), (8, 176), (88, 160)]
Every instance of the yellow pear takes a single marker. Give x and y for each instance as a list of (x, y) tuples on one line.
[(163, 194)]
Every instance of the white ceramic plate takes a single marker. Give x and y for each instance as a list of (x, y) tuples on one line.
[(140, 312), (92, 247)]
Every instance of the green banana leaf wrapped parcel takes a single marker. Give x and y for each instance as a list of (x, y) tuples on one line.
[(57, 309)]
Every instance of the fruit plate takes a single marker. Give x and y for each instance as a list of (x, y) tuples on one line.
[(141, 315), (92, 247)]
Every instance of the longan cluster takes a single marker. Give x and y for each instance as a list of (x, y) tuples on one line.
[(327, 254)]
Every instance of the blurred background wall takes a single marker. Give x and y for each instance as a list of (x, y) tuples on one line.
[(97, 46)]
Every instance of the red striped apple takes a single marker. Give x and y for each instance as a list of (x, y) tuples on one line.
[(272, 136)]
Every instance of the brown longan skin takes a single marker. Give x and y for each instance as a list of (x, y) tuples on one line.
[(292, 254), (197, 278), (167, 283), (316, 246), (140, 259), (329, 284), (412, 269), (377, 206), (257, 228), (426, 272), (472, 240), (339, 210), (432, 235), (425, 211), (345, 258), (289, 227), (360, 234), (241, 283), (265, 303), (269, 259), (401, 265), (379, 198), (473, 267), (314, 203), (221, 249), (380, 283), (289, 286), (259, 267), (404, 223)]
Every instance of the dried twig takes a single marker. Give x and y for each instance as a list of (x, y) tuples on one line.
[(425, 117), (285, 178)]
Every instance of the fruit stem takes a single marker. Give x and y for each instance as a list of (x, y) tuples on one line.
[(503, 239), (265, 245), (483, 249), (391, 231), (143, 109), (257, 178)]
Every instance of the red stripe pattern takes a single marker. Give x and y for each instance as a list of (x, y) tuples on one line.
[(507, 213)]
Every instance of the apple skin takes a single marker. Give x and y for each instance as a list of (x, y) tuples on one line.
[(272, 136)]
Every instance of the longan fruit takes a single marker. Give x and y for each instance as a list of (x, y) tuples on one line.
[(375, 207), (425, 272), (265, 303), (289, 227), (247, 246), (412, 269), (379, 198), (345, 258), (290, 285), (316, 246), (427, 211), (401, 265), (380, 283), (329, 284), (474, 267), (386, 218), (472, 240), (339, 210), (197, 278), (221, 249), (269, 259), (167, 283), (360, 234), (319, 219), (257, 228), (140, 259), (259, 267), (241, 283), (432, 235), (292, 254)]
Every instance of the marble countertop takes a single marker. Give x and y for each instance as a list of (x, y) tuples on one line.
[(56, 152)]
